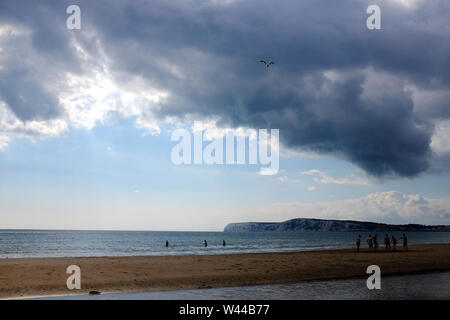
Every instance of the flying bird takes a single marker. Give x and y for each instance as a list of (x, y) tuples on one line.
[(267, 64)]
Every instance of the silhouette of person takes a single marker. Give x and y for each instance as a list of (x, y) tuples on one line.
[(205, 243), (223, 243), (405, 242), (387, 243), (167, 244), (370, 242), (375, 241), (394, 242), (358, 243)]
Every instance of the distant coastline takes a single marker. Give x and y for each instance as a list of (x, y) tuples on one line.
[(322, 225)]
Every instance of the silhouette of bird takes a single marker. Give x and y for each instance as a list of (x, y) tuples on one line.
[(267, 64)]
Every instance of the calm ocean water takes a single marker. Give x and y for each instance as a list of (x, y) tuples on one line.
[(54, 243)]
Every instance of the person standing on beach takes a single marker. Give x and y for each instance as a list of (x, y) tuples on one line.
[(167, 244), (394, 242), (375, 241), (370, 242), (223, 243), (358, 242), (405, 242), (205, 243), (387, 242)]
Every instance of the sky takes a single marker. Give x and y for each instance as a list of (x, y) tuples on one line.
[(87, 115)]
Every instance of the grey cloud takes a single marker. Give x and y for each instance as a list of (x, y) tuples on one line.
[(215, 50), (35, 58)]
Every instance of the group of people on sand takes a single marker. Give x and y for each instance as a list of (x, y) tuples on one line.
[(373, 242)]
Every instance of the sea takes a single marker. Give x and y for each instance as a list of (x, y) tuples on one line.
[(69, 243)]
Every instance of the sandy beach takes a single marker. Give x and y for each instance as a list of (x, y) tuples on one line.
[(24, 277)]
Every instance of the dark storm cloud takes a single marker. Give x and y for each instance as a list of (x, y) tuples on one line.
[(36, 53), (206, 56)]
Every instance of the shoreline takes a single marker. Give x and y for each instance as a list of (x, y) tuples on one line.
[(40, 277), (255, 286), (218, 253), (64, 295)]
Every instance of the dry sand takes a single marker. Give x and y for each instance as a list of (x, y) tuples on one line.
[(47, 276)]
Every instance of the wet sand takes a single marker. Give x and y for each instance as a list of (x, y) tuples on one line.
[(24, 277)]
